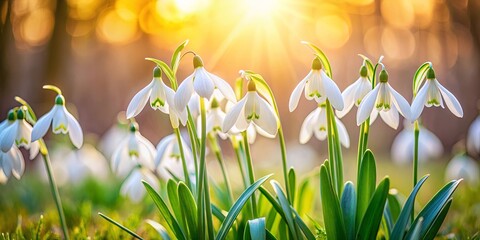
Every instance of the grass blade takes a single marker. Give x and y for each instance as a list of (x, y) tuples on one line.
[(332, 213), (282, 199), (164, 211), (373, 216), (257, 229), (173, 198), (133, 234), (159, 228), (237, 207), (188, 208), (432, 231), (292, 181), (367, 178), (176, 56), (420, 76), (323, 58), (402, 222), (348, 204)]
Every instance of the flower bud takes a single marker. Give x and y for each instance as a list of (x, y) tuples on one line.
[(363, 71), (133, 127), (383, 76), (157, 72), (251, 86), (197, 61), (431, 73), (60, 100), (316, 64), (12, 116), (20, 114)]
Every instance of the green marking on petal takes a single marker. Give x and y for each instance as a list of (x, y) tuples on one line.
[(158, 103), (60, 127), (21, 141), (133, 153)]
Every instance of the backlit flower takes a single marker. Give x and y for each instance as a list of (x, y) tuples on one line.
[(61, 120), (133, 151), (133, 187), (431, 95), (385, 100), (316, 124), (251, 109), (354, 94), (203, 83), (473, 138), (19, 133), (429, 146), (11, 163), (168, 159), (317, 86)]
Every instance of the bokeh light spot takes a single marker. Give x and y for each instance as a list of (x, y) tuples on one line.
[(115, 29), (332, 31)]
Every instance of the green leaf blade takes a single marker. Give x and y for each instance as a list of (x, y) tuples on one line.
[(348, 204), (373, 216), (366, 184), (188, 208)]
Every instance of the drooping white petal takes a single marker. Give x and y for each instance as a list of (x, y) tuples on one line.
[(363, 88), (18, 163), (6, 163), (138, 101), (184, 93), (348, 98), (390, 117), (366, 106), (251, 134), (7, 137), (4, 124), (121, 162), (24, 134), (419, 101), (263, 132), (306, 131), (162, 148), (146, 152), (267, 118), (34, 149), (343, 134), (74, 129), (450, 100), (332, 91), (41, 127), (132, 187), (295, 97), (202, 83), (232, 115), (224, 88), (402, 105), (473, 137)]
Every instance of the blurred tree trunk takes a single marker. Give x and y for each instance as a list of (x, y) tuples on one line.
[(6, 38)]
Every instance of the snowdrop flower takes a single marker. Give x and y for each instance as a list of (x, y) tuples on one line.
[(203, 83), (316, 123), (161, 98), (252, 109), (62, 122), (354, 94), (135, 150), (168, 157), (11, 163), (317, 86), (473, 137), (19, 133), (114, 136), (215, 117), (385, 100), (133, 187), (429, 146), (431, 95), (462, 166)]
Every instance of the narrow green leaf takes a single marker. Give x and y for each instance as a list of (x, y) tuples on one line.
[(282, 199), (257, 229), (237, 207), (217, 212), (133, 234), (437, 223), (166, 70), (369, 65), (394, 204), (176, 57), (271, 216), (305, 191), (366, 184), (188, 208), (403, 220), (373, 216), (246, 233), (434, 207), (292, 181), (164, 211), (159, 228), (416, 230), (323, 58), (174, 201), (269, 235), (348, 204), (419, 76), (332, 213), (300, 223)]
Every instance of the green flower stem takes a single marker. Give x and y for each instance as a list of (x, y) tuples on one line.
[(251, 174), (218, 155), (192, 132), (56, 195), (238, 149), (416, 133), (334, 149), (182, 156), (283, 149), (203, 178), (362, 145)]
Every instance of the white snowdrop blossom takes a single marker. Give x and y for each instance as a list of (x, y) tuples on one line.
[(317, 86), (62, 122), (354, 94), (215, 117), (133, 151), (316, 124), (429, 146), (161, 98), (203, 83), (114, 136), (385, 100), (168, 159), (133, 187), (431, 95), (19, 133), (473, 137), (463, 166), (11, 163), (251, 109)]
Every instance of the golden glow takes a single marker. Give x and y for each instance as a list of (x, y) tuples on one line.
[(37, 27), (261, 7), (115, 29), (332, 31)]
